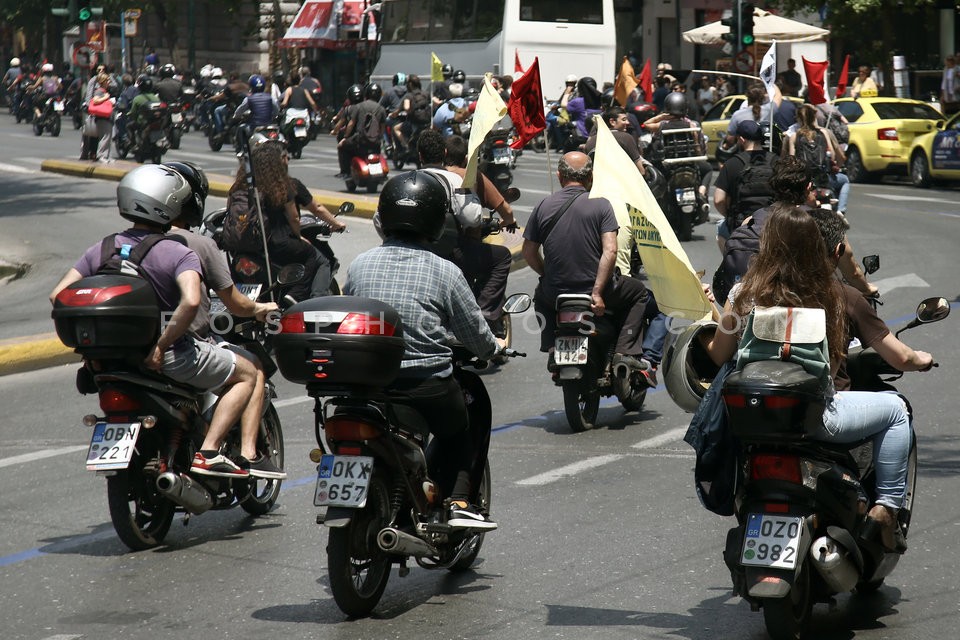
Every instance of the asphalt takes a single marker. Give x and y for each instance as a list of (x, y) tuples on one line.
[(44, 350)]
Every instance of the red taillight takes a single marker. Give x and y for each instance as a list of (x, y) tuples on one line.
[(348, 428), (300, 122), (293, 323), (780, 402), (767, 466), (364, 325), (572, 317), (740, 401), (88, 297), (113, 401), (247, 267), (349, 451), (776, 507), (889, 134), (735, 400)]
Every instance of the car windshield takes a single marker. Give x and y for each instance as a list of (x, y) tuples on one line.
[(906, 111)]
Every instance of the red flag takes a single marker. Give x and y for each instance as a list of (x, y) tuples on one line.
[(517, 67), (842, 79), (646, 82), (526, 106), (815, 71)]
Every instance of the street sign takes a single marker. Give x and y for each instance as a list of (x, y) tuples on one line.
[(97, 35), (84, 56), (131, 26), (744, 61)]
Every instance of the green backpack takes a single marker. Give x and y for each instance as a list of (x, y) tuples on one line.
[(791, 334)]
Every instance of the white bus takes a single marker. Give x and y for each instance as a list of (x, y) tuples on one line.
[(477, 36)]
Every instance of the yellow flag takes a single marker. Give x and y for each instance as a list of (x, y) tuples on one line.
[(490, 110), (671, 277), (626, 83), (436, 68)]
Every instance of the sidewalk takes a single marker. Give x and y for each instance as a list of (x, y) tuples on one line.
[(45, 350)]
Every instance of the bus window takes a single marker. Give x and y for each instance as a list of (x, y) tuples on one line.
[(581, 12), (418, 21)]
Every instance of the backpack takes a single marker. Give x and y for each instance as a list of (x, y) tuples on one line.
[(241, 226), (814, 155), (776, 132), (753, 186), (448, 246), (790, 334), (741, 246), (370, 128), (839, 129), (420, 112), (126, 259)]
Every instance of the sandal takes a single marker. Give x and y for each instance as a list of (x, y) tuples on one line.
[(881, 525)]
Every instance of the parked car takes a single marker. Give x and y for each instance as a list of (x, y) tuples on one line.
[(882, 133), (717, 119), (936, 155)]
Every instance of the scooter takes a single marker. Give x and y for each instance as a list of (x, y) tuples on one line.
[(295, 128), (802, 536), (49, 119), (497, 159), (377, 465), (678, 159), (367, 171)]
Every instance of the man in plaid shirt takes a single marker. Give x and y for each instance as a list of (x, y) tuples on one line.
[(434, 300)]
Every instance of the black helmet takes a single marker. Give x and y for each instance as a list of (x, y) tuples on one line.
[(192, 210), (459, 76), (414, 202), (355, 94), (447, 70), (168, 71), (399, 78), (373, 92), (675, 104), (145, 83)]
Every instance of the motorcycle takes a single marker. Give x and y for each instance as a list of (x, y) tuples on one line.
[(23, 104), (497, 159), (678, 158), (177, 124), (151, 426), (250, 268), (399, 155), (375, 457), (802, 536), (367, 171), (190, 101), (49, 120), (295, 128), (583, 364), (149, 141)]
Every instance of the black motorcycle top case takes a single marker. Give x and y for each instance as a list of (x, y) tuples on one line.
[(772, 400), (107, 315), (318, 353)]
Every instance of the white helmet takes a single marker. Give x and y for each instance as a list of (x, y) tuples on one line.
[(47, 68), (205, 70), (153, 194), (216, 72), (15, 62), (687, 367), (571, 78)]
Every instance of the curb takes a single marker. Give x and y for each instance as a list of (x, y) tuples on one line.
[(45, 350)]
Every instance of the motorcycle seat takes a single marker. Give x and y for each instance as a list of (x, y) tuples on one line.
[(573, 301)]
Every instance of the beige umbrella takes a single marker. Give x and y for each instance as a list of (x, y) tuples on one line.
[(767, 27)]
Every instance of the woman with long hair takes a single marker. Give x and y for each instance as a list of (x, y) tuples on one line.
[(828, 174), (794, 269)]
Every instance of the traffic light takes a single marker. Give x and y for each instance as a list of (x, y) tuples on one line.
[(84, 14), (746, 24), (733, 24)]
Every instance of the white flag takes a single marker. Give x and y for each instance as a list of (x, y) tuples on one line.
[(768, 69)]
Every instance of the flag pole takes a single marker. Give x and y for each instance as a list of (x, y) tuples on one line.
[(546, 148)]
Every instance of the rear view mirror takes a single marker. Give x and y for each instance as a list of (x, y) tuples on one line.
[(933, 310), (291, 273), (517, 303), (346, 207), (512, 194), (871, 264)]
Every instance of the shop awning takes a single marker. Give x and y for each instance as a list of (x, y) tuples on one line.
[(767, 27), (329, 24)]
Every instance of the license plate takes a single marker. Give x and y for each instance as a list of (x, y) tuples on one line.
[(111, 446), (300, 132), (176, 118), (58, 106), (771, 541), (502, 155), (685, 195), (375, 169), (570, 350), (342, 481)]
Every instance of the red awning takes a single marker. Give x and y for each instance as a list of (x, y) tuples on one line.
[(329, 24)]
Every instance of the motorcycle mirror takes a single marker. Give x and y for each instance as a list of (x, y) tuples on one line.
[(512, 194), (933, 310), (346, 207), (517, 303), (871, 264), (291, 273)]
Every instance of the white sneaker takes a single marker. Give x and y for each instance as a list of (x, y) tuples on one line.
[(464, 516)]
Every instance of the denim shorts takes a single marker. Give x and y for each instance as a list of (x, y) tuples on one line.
[(199, 364)]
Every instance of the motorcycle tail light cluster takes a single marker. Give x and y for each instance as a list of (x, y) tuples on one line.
[(573, 317), (365, 325), (350, 429), (775, 466), (113, 401)]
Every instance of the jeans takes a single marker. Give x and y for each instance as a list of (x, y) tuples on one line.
[(857, 415), (840, 184), (656, 334), (218, 117)]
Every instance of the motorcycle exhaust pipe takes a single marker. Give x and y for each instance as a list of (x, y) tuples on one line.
[(833, 563), (396, 542), (185, 492)]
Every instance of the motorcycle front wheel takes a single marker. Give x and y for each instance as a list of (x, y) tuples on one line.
[(580, 405), (262, 494), (141, 515), (357, 568)]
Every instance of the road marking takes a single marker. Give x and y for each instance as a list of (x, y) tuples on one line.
[(886, 285), (570, 469), (39, 455), (662, 439), (63, 636), (15, 168), (896, 198)]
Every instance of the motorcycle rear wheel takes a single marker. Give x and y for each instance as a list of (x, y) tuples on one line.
[(580, 406), (37, 128), (475, 541), (175, 139), (54, 127), (140, 514), (215, 142), (787, 618), (262, 494), (357, 568)]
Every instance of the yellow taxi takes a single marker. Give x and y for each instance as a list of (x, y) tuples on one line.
[(936, 155), (717, 119), (882, 133)]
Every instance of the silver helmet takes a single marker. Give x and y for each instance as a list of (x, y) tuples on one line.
[(152, 194), (687, 368)]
